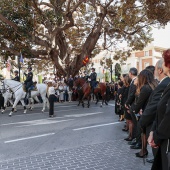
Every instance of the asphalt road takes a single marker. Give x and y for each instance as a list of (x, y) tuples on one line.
[(78, 138)]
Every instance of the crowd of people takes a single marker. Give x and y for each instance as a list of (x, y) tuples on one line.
[(143, 101)]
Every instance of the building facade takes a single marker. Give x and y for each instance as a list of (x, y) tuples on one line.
[(138, 59)]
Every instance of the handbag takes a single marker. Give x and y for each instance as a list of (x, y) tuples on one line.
[(168, 154)]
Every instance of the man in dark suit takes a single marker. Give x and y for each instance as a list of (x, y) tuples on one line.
[(131, 98), (16, 78), (149, 114)]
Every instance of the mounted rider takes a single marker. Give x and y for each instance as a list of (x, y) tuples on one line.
[(16, 78), (92, 79), (29, 81)]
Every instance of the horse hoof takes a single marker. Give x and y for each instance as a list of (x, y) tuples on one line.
[(10, 114), (15, 110), (25, 111), (43, 111), (2, 111), (100, 105), (106, 103)]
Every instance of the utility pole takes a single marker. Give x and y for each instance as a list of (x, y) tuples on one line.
[(19, 67)]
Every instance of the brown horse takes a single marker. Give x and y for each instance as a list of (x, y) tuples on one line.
[(84, 90), (100, 88)]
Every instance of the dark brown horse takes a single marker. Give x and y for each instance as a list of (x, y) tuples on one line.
[(100, 88), (84, 91)]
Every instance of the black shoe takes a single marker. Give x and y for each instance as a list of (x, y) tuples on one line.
[(128, 139), (137, 146), (139, 155), (132, 143), (150, 160), (125, 130), (51, 115)]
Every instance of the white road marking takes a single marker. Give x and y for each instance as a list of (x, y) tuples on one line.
[(82, 114), (47, 112), (89, 127), (30, 121), (44, 123), (111, 104), (31, 137)]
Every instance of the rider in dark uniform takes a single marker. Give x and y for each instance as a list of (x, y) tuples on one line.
[(29, 82), (93, 77), (16, 78)]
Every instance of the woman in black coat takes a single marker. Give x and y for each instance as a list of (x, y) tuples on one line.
[(117, 99), (160, 132), (145, 85)]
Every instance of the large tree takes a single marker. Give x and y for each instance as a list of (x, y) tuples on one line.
[(66, 31)]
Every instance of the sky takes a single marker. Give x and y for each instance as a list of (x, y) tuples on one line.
[(162, 36)]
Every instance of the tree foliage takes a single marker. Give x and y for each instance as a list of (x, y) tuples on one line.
[(65, 31)]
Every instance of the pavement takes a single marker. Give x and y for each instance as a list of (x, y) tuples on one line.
[(76, 139)]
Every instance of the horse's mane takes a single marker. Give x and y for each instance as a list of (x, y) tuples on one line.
[(16, 82)]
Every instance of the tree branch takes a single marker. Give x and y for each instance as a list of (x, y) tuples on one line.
[(47, 4), (5, 20)]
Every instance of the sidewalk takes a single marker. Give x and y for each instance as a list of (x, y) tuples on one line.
[(113, 155)]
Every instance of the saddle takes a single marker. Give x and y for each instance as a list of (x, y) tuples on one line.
[(33, 87)]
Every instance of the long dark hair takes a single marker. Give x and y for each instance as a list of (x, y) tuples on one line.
[(146, 77)]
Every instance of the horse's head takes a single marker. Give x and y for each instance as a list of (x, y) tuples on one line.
[(78, 82)]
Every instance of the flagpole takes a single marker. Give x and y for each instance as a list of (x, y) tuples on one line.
[(19, 66)]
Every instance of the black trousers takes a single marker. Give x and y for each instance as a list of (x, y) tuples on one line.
[(51, 99), (1, 102)]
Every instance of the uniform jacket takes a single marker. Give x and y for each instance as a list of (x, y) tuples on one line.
[(93, 76), (16, 78), (29, 78)]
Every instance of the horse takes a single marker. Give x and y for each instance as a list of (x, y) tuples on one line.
[(84, 90), (8, 97), (17, 88), (100, 88)]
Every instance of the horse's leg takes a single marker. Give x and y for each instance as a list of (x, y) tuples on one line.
[(31, 104), (88, 105), (11, 102), (82, 100), (23, 104), (14, 105), (97, 97), (105, 99)]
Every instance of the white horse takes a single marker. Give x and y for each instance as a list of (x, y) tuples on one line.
[(9, 97), (17, 88)]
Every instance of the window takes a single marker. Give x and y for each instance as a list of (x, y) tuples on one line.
[(146, 53)]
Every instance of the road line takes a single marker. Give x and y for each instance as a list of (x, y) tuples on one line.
[(31, 137), (89, 127), (44, 123), (111, 104), (30, 121), (83, 114)]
